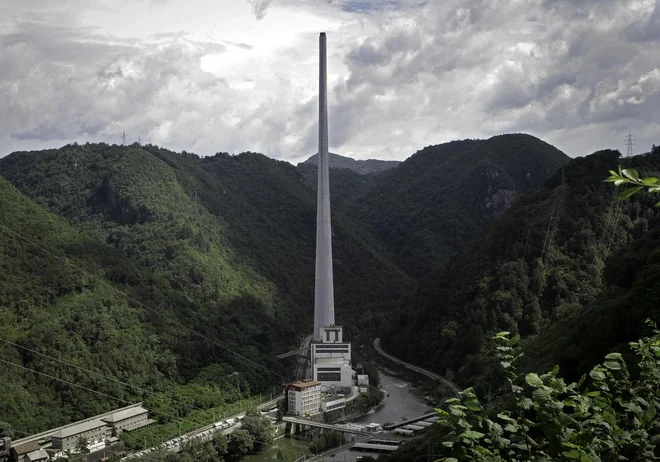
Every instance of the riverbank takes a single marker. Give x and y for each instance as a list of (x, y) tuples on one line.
[(403, 400), (445, 382)]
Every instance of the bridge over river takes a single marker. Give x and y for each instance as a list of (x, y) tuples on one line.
[(339, 428)]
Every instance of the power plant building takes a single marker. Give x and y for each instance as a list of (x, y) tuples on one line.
[(128, 419), (93, 431), (331, 360)]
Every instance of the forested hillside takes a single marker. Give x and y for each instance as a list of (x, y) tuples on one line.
[(435, 202), (539, 270), (224, 245)]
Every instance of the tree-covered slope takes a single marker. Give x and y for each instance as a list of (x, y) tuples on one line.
[(436, 201), (537, 265)]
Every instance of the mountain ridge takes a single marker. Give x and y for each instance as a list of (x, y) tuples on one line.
[(468, 183), (363, 167)]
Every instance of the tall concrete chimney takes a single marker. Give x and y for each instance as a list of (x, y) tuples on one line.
[(324, 299)]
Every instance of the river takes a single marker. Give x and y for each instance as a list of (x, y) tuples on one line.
[(404, 402)]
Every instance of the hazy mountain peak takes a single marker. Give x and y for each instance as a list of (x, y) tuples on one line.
[(362, 167)]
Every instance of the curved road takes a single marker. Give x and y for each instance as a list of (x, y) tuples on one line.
[(417, 369)]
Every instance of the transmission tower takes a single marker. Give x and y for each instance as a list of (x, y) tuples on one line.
[(630, 142), (123, 137)]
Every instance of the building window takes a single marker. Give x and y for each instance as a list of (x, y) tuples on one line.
[(329, 376)]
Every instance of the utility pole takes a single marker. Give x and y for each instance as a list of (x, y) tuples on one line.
[(630, 142)]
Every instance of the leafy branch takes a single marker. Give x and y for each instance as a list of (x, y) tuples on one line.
[(631, 176), (608, 415)]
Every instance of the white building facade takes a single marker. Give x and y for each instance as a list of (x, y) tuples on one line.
[(303, 398), (333, 403), (94, 431)]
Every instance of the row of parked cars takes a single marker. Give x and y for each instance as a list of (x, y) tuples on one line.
[(175, 443)]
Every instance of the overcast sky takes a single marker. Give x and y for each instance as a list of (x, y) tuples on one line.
[(242, 75)]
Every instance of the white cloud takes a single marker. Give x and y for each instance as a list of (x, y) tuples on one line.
[(208, 76), (259, 7)]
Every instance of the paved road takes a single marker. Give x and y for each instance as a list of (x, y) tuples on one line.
[(417, 369)]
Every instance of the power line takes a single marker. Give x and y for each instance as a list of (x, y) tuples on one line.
[(134, 300), (11, 429), (107, 396), (140, 457), (612, 219), (101, 394), (91, 390), (95, 391), (112, 379), (553, 223)]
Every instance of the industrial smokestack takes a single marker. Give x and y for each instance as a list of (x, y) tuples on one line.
[(324, 299)]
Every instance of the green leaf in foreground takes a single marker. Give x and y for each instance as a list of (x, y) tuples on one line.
[(629, 192)]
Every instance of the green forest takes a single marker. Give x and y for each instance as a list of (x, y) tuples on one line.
[(133, 273)]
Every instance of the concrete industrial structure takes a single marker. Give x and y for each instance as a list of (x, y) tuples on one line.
[(331, 356), (100, 430), (128, 419), (19, 452), (303, 398), (97, 431), (37, 456), (332, 403), (324, 298), (93, 431), (331, 360)]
